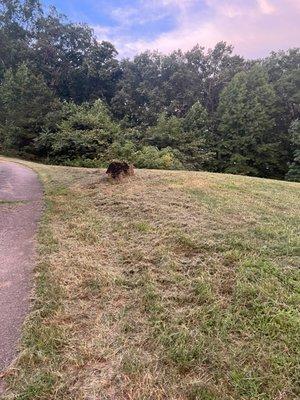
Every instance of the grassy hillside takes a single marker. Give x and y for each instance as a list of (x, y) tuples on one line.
[(168, 285)]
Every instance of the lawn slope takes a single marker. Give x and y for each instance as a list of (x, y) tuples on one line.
[(167, 285)]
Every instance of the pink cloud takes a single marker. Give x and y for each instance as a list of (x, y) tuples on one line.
[(266, 7), (254, 27)]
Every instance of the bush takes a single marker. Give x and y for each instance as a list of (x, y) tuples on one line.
[(146, 157), (151, 157), (85, 132)]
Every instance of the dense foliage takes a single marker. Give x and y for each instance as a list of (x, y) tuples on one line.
[(66, 98)]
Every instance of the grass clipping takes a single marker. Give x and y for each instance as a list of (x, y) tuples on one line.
[(167, 285)]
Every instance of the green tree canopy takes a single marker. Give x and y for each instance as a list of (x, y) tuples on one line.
[(25, 102), (248, 143), (293, 173), (84, 131)]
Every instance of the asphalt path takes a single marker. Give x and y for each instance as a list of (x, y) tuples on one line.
[(20, 210)]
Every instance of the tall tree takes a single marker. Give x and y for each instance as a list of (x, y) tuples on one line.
[(284, 74), (293, 173), (25, 102), (153, 83), (17, 19), (247, 143), (197, 144), (74, 64), (166, 133), (197, 119)]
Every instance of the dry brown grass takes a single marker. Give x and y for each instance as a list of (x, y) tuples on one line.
[(166, 285)]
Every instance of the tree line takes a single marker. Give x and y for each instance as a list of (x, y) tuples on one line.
[(66, 98)]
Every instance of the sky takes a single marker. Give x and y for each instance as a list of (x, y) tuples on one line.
[(253, 27)]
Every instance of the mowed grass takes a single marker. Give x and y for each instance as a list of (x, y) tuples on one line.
[(167, 285)]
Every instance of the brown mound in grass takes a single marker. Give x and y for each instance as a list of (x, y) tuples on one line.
[(117, 169)]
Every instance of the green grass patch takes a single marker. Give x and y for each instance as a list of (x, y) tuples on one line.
[(170, 285)]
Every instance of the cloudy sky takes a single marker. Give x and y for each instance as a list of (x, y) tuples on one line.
[(254, 27)]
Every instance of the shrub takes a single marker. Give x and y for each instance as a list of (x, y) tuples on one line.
[(85, 132), (146, 156), (151, 157)]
